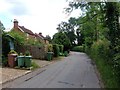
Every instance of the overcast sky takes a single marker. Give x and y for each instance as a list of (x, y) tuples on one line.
[(36, 15)]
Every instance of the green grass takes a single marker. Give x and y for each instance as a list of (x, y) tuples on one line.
[(106, 73), (58, 58), (34, 65)]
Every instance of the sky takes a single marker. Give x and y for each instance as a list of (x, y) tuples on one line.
[(36, 15)]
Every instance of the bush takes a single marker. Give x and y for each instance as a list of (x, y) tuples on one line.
[(19, 38), (4, 61), (56, 50), (78, 49), (62, 39), (100, 49), (13, 52), (108, 67), (61, 48), (5, 45), (34, 65), (50, 47), (27, 53)]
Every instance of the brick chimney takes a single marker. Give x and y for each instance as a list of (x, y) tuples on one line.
[(15, 24), (40, 33)]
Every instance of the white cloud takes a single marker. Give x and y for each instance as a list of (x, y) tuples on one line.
[(37, 15)]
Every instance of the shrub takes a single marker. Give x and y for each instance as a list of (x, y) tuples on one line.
[(116, 65), (5, 45), (56, 50), (27, 53), (13, 52), (78, 49), (61, 48), (100, 49), (50, 47), (4, 61), (19, 38), (62, 39), (34, 65), (107, 66)]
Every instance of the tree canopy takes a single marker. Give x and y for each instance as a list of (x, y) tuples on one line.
[(62, 39)]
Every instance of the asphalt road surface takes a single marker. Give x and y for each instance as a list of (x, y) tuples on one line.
[(74, 71)]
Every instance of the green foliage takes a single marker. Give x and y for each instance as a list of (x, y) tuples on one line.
[(27, 53), (4, 61), (116, 65), (100, 49), (61, 48), (50, 47), (66, 53), (19, 38), (13, 52), (99, 24), (100, 53), (56, 50), (69, 29), (78, 49), (106, 73), (61, 39), (34, 65), (33, 42), (5, 44)]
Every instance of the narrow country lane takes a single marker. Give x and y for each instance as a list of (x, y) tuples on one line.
[(74, 71)]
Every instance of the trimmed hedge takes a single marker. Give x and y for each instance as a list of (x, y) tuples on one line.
[(56, 50), (78, 49)]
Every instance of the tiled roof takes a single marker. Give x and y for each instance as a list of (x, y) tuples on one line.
[(40, 36), (26, 30)]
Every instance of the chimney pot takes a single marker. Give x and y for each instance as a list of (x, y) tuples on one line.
[(15, 24), (40, 33)]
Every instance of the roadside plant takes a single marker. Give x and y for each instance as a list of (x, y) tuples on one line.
[(50, 47), (27, 53), (56, 50), (13, 52), (21, 54)]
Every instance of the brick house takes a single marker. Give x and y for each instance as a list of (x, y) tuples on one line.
[(37, 52), (28, 33)]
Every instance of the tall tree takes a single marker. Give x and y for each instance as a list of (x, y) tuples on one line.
[(69, 29), (62, 39), (112, 22)]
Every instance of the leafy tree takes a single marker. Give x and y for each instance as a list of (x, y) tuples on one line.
[(19, 38), (69, 29), (99, 23), (1, 32), (61, 39), (5, 44)]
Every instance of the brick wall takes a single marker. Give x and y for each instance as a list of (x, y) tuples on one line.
[(35, 51)]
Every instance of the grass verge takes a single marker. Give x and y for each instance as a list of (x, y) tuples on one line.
[(34, 65), (106, 74)]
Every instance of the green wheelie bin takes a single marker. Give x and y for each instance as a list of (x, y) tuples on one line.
[(28, 61), (20, 60), (49, 56), (66, 53)]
